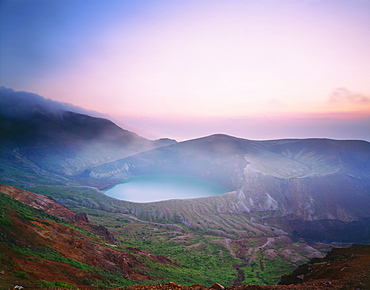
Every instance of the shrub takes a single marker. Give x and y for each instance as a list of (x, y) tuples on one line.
[(60, 284), (64, 285), (6, 222), (22, 275)]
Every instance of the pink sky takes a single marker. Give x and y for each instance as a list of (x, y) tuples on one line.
[(183, 69)]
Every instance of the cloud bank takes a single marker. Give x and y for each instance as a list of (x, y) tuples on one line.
[(21, 105), (343, 95)]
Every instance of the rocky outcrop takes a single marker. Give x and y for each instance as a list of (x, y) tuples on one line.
[(104, 232), (347, 268)]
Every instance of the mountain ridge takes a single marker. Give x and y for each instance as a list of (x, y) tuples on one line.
[(256, 171), (55, 138)]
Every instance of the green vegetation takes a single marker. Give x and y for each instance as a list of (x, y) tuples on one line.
[(251, 274), (204, 259), (22, 275), (23, 211), (52, 255), (273, 269), (60, 284), (109, 279), (6, 222), (201, 260)]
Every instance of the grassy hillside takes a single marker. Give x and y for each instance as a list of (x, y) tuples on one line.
[(212, 258), (38, 249)]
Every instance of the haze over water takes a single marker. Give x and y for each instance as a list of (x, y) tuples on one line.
[(159, 187)]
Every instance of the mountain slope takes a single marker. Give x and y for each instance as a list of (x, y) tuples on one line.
[(345, 268), (39, 138), (50, 206), (38, 248), (68, 143)]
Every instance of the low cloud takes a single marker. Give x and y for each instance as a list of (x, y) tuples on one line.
[(22, 105), (343, 95)]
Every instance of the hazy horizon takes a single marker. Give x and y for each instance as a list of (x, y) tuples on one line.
[(186, 69)]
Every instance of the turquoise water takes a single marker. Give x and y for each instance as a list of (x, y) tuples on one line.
[(157, 187)]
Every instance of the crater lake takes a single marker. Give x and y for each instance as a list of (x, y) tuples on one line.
[(158, 187)]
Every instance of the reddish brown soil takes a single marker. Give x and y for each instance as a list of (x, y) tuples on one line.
[(56, 209), (39, 201)]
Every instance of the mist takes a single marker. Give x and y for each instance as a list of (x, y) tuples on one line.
[(23, 105)]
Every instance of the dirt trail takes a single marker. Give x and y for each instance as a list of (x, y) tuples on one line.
[(269, 240), (240, 279), (228, 246), (252, 254), (262, 266)]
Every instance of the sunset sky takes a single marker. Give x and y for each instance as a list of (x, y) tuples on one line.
[(256, 69)]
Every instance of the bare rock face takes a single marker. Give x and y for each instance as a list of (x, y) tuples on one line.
[(217, 286), (80, 217), (104, 232)]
